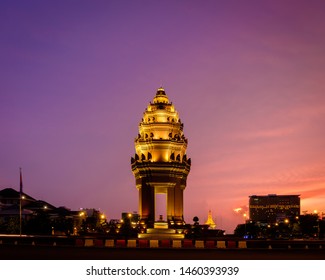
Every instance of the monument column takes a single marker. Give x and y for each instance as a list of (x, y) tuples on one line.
[(178, 203), (170, 203), (146, 202)]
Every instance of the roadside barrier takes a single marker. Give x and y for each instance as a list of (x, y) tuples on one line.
[(199, 244), (89, 242), (154, 244), (143, 243), (177, 244), (120, 243), (79, 242), (221, 244), (165, 243), (98, 242), (231, 244), (210, 244), (242, 245), (132, 243), (109, 243), (187, 243)]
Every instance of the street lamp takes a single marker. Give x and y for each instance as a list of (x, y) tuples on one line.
[(245, 220)]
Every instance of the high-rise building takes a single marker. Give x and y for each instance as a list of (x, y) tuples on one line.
[(273, 208), (160, 164)]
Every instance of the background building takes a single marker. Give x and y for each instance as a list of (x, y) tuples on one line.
[(273, 208), (41, 217)]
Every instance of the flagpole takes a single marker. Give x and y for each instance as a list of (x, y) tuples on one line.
[(20, 197)]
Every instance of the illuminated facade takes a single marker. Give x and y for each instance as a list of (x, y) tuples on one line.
[(160, 164), (273, 208)]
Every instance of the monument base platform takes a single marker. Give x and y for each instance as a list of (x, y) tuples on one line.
[(160, 225), (161, 231)]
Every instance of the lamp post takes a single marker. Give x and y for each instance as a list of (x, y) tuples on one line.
[(20, 198), (318, 227), (245, 216), (20, 214)]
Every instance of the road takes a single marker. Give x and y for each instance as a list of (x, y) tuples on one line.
[(29, 252)]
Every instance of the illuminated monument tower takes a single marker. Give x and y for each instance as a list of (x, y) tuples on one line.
[(160, 165)]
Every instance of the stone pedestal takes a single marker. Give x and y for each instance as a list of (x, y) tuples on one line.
[(161, 231)]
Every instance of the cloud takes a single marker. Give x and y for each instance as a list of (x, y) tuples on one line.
[(269, 133), (241, 210), (313, 193)]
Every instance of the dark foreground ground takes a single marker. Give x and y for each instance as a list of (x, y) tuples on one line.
[(27, 252)]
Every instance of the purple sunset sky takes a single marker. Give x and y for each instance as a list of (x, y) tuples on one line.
[(247, 78)]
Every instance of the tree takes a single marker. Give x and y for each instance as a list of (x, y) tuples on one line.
[(13, 225), (196, 220), (248, 229), (63, 224), (309, 224), (240, 230), (126, 229), (39, 224)]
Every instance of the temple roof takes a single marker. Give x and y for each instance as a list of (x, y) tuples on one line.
[(210, 221)]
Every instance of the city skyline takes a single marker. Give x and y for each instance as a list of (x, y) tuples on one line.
[(246, 78)]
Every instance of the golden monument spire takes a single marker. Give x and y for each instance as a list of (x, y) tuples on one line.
[(160, 164), (210, 221)]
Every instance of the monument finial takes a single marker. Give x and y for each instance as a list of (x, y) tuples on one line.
[(160, 89)]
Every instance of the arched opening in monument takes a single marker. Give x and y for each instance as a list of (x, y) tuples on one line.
[(160, 206)]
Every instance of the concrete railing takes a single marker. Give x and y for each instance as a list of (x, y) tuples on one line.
[(198, 244), (225, 244), (155, 243)]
